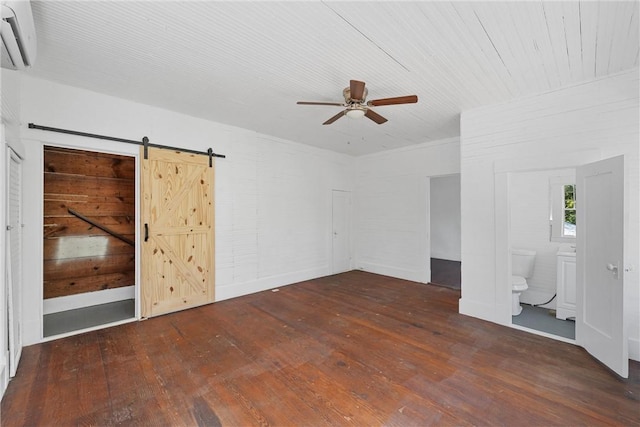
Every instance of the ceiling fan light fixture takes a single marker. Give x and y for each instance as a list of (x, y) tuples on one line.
[(357, 106), (355, 113)]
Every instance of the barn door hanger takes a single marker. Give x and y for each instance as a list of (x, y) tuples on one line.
[(145, 144)]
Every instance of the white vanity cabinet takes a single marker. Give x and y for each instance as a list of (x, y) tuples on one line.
[(566, 282)]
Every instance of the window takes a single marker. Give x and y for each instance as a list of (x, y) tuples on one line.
[(569, 211), (562, 216)]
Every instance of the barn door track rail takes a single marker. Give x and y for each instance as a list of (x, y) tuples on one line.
[(144, 142)]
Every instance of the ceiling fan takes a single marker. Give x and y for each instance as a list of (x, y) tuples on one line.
[(357, 106)]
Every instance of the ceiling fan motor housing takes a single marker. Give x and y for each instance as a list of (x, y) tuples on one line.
[(347, 96)]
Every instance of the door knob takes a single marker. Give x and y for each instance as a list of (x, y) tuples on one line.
[(613, 268)]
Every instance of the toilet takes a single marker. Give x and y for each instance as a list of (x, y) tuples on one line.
[(522, 262)]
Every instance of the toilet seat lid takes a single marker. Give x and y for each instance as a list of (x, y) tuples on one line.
[(519, 283)]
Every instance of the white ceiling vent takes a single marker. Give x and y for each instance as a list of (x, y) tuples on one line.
[(18, 35)]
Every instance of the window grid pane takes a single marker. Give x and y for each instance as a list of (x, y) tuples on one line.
[(569, 211)]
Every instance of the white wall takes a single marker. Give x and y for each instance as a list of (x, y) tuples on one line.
[(9, 132), (391, 228), (445, 217), (273, 197), (530, 206), (560, 129), (4, 325)]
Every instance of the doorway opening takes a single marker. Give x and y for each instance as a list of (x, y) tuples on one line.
[(536, 238), (591, 270), (444, 206), (89, 228), (341, 236)]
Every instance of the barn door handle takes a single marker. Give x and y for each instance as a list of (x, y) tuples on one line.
[(146, 231)]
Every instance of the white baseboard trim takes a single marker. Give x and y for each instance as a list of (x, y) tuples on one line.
[(266, 283), (398, 273), (491, 312), (475, 309), (71, 302), (4, 379)]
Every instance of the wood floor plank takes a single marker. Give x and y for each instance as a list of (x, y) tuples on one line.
[(349, 349)]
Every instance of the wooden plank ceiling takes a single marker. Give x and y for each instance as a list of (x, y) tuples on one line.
[(246, 64)]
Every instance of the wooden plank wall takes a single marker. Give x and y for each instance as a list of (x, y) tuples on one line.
[(79, 257)]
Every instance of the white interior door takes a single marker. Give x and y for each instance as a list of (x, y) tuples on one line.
[(14, 259), (600, 325), (341, 239)]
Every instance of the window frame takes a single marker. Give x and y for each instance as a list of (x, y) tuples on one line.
[(557, 208)]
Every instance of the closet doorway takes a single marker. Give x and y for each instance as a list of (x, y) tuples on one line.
[(444, 202), (89, 239)]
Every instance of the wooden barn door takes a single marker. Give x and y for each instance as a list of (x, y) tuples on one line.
[(178, 231)]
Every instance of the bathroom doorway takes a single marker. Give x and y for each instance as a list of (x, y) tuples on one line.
[(445, 231), (542, 220)]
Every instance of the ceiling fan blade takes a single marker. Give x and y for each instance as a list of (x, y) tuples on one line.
[(337, 104), (409, 99), (356, 88), (375, 116), (334, 118)]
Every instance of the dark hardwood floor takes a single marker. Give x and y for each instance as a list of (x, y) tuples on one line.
[(352, 349)]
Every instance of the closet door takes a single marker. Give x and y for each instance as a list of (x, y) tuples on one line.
[(600, 296), (177, 215), (14, 261)]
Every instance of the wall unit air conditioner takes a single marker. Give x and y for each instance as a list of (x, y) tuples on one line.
[(18, 35)]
